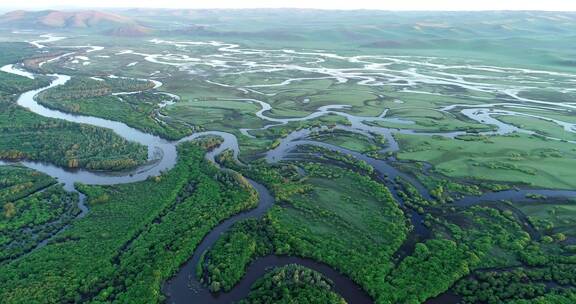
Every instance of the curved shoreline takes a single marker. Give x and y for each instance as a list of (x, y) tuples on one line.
[(185, 286), (180, 291), (167, 161), (342, 285)]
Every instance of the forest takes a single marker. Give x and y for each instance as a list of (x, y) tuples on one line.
[(28, 221), (24, 208), (292, 284), (27, 136), (321, 216), (129, 231), (120, 99), (287, 156)]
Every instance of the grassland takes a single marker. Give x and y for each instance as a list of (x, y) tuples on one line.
[(541, 127), (298, 100), (217, 114), (350, 141), (334, 216), (429, 120), (94, 98), (552, 219), (329, 207), (522, 159)]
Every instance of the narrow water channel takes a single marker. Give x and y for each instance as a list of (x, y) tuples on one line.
[(184, 287), (162, 156)]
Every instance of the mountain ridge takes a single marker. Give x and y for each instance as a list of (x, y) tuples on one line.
[(59, 19)]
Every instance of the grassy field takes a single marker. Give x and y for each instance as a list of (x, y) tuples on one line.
[(349, 140), (298, 100), (329, 208), (429, 120), (518, 158), (552, 218), (222, 115), (334, 216), (542, 127)]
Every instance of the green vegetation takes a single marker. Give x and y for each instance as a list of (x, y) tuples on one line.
[(134, 237), (349, 140), (512, 265), (542, 127), (334, 215), (432, 268), (11, 85), (518, 159), (26, 135), (293, 284), (444, 189), (18, 182), (303, 98), (333, 157), (431, 74), (28, 221), (15, 51), (216, 114), (428, 119), (269, 138), (84, 87), (552, 218), (87, 96), (464, 240), (32, 209), (535, 285)]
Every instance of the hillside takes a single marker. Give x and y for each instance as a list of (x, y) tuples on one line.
[(64, 19), (129, 30)]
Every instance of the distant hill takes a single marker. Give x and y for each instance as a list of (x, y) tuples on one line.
[(88, 19), (130, 30), (206, 31)]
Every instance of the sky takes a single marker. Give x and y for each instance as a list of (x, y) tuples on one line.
[(556, 5)]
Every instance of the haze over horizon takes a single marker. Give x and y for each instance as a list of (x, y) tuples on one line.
[(407, 5)]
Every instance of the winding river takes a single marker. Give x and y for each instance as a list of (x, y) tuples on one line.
[(186, 287), (162, 156)]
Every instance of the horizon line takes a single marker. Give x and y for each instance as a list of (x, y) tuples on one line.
[(13, 8)]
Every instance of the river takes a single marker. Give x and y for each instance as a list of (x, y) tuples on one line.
[(162, 156)]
